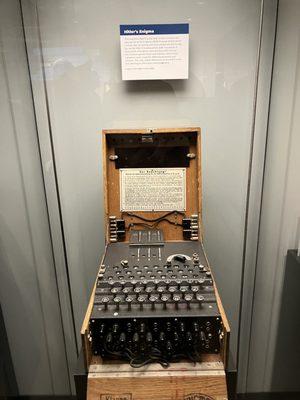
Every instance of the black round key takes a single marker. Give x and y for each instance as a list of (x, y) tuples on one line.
[(153, 298), (116, 287), (138, 288), (117, 301), (142, 298), (172, 288), (127, 289), (176, 299), (105, 300), (183, 288), (150, 287), (200, 298), (129, 299), (165, 297), (188, 297), (161, 288)]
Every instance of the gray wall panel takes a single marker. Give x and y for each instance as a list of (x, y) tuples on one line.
[(28, 288), (281, 199)]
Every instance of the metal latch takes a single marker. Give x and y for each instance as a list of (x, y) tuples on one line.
[(147, 138)]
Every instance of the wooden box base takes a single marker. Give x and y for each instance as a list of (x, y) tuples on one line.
[(181, 381)]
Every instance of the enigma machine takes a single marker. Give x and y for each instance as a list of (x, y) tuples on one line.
[(155, 300)]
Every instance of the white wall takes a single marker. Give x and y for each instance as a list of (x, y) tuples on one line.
[(85, 94), (28, 287), (281, 199)]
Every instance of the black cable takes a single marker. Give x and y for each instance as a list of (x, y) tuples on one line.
[(153, 219), (176, 357), (135, 363), (152, 226), (170, 222), (140, 224), (191, 357)]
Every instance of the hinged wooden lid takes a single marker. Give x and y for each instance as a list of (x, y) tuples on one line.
[(152, 148)]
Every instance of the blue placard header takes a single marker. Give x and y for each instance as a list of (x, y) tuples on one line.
[(160, 29)]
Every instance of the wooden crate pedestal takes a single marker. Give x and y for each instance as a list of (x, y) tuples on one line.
[(181, 381)]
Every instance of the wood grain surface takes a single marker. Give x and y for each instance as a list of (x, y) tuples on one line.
[(111, 181), (182, 381)]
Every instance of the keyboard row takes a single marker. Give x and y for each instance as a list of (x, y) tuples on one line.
[(152, 299)]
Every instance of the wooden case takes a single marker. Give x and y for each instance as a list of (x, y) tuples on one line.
[(166, 137), (182, 381)]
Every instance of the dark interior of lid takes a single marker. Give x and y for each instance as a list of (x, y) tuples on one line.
[(129, 155), (151, 150)]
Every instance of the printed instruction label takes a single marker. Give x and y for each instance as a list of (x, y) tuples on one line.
[(155, 51), (153, 189)]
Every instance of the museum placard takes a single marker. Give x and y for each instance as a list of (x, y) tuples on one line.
[(154, 51)]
